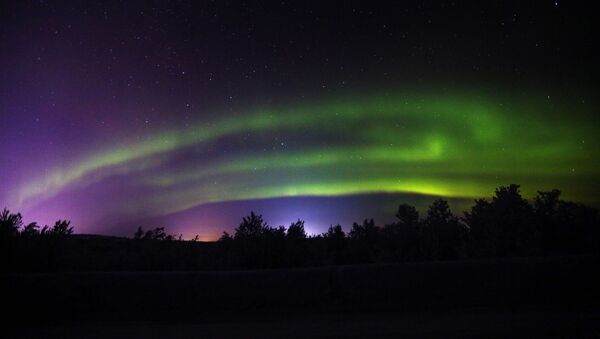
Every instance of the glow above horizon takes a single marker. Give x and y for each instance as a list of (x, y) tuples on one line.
[(456, 145)]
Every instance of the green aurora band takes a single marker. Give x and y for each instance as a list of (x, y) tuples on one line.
[(451, 145)]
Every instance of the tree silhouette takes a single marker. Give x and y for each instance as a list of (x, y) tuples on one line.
[(407, 215), (157, 233), (30, 230), (366, 231), (335, 232), (442, 233), (503, 227), (296, 244), (364, 240), (10, 223), (566, 227), (546, 203), (139, 233), (257, 244), (296, 230), (251, 227), (402, 239), (335, 244), (225, 237), (62, 228)]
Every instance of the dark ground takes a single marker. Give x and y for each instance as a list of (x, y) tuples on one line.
[(466, 324), (536, 297)]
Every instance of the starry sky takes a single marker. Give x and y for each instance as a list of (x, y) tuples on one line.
[(189, 115)]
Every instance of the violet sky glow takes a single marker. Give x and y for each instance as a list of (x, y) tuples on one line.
[(190, 115)]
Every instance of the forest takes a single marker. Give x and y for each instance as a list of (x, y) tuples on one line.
[(507, 225)]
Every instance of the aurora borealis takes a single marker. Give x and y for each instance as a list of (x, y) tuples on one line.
[(117, 152)]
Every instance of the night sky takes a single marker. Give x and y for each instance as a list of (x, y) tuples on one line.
[(189, 115)]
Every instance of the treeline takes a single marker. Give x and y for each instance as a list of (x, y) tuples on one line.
[(30, 243), (506, 225)]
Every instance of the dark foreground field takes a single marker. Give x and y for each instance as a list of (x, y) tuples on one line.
[(540, 297), (469, 324)]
